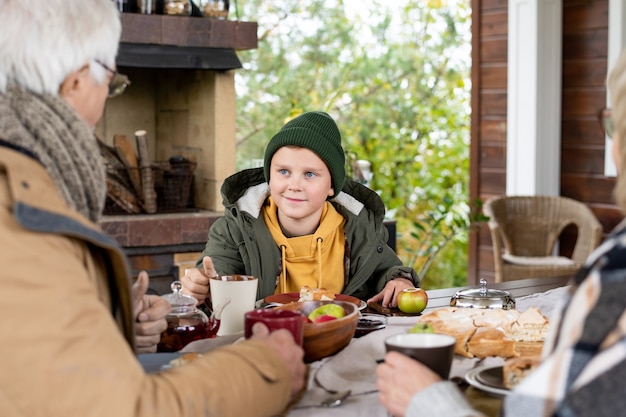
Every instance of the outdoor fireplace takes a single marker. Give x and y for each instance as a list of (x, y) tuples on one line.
[(183, 96)]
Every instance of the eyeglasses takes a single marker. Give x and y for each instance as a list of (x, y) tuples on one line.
[(118, 82), (606, 120)]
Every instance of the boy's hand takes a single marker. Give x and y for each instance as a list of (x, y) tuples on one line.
[(196, 281), (388, 297)]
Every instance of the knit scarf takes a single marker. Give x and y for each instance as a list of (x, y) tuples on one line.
[(48, 127)]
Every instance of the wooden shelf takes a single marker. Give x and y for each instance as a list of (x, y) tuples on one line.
[(161, 41), (175, 57)]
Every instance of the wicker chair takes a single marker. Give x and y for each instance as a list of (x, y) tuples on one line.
[(528, 228)]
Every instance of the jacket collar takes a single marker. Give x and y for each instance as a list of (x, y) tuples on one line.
[(247, 191), (37, 205), (24, 151)]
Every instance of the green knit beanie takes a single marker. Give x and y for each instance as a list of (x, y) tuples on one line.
[(318, 132)]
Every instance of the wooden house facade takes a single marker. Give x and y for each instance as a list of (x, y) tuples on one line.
[(584, 45)]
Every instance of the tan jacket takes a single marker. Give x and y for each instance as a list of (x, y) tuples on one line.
[(62, 352)]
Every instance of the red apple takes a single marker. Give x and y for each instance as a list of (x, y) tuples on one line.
[(412, 300), (323, 318), (333, 310)]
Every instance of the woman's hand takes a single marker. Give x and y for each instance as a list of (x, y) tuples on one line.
[(399, 379), (150, 312), (196, 281), (388, 297)]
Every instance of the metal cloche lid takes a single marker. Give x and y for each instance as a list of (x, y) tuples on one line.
[(483, 298)]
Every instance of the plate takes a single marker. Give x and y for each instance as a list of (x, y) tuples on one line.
[(155, 362), (487, 379), (292, 297)]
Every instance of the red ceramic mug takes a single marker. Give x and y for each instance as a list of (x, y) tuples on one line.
[(276, 319)]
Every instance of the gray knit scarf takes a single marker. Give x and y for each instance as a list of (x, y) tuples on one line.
[(48, 127)]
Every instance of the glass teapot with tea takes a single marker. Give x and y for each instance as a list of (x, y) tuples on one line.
[(185, 322)]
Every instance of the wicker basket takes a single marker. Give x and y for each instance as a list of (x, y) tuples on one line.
[(172, 184)]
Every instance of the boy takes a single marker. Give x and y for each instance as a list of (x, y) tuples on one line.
[(297, 222)]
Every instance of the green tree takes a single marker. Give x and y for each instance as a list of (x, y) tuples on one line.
[(395, 77)]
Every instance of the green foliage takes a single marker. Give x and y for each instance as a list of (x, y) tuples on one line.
[(395, 76), (438, 232)]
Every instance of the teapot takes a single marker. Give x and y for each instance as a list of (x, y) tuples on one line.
[(185, 322)]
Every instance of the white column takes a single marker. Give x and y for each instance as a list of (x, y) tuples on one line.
[(534, 97), (617, 42)]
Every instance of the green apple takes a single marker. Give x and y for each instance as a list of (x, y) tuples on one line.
[(412, 300), (330, 309), (422, 328)]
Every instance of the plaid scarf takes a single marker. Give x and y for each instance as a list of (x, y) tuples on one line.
[(46, 126), (584, 365)]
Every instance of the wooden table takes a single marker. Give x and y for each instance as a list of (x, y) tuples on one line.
[(518, 288)]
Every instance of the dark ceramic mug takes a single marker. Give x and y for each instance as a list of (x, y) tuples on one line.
[(433, 350)]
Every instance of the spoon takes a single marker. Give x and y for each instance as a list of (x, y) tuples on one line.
[(335, 400)]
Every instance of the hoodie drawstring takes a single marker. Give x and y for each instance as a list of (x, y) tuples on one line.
[(283, 272), (319, 262)]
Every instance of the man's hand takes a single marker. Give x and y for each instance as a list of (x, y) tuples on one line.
[(291, 354), (150, 312), (388, 297), (196, 281)]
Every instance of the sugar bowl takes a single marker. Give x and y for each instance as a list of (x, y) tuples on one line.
[(483, 297)]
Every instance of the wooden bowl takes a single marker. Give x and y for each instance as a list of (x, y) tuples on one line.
[(327, 338)]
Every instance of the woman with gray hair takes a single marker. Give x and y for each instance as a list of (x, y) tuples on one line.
[(70, 323), (583, 364)]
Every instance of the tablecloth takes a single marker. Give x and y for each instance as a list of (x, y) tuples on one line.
[(354, 367)]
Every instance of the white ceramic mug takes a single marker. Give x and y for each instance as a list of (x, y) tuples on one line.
[(241, 289)]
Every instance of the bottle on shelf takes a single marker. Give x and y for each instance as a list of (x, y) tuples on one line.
[(149, 6), (216, 9), (125, 6), (177, 7)]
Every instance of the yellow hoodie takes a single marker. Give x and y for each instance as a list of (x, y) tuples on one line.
[(316, 260)]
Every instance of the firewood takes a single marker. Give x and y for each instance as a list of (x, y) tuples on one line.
[(128, 156), (145, 166), (123, 197)]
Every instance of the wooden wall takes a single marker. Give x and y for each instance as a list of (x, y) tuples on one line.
[(585, 42), (488, 133), (585, 38)]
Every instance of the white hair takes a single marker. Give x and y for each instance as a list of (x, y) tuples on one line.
[(43, 41)]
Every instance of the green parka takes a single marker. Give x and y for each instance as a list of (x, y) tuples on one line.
[(240, 242)]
